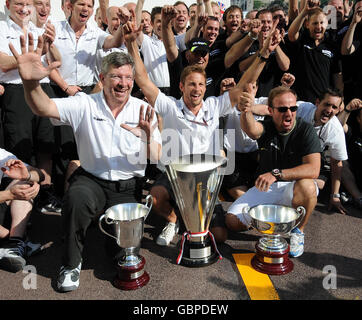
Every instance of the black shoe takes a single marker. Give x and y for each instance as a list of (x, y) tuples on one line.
[(12, 256), (48, 202)]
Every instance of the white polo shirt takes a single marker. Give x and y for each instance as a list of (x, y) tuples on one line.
[(79, 57), (235, 139), (105, 149), (155, 60), (10, 32), (184, 133), (330, 135)]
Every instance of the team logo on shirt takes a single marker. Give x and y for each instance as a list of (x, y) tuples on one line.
[(327, 53)]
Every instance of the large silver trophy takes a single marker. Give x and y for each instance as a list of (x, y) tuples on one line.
[(128, 220), (196, 180), (274, 221)]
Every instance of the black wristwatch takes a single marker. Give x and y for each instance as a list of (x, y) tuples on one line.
[(277, 174), (262, 58)]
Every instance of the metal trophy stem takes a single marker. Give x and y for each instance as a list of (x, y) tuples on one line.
[(272, 249), (128, 221), (196, 180)]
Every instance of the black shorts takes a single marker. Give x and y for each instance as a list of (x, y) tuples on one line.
[(25, 133), (5, 216), (244, 173), (218, 216)]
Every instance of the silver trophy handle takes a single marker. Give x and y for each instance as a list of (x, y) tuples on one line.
[(107, 221), (149, 204)]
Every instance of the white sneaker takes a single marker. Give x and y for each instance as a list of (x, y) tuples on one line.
[(296, 243), (68, 279), (167, 234)]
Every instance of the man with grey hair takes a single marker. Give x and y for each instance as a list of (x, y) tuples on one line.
[(110, 128)]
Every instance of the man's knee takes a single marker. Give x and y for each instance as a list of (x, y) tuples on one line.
[(160, 196), (305, 188), (234, 224)]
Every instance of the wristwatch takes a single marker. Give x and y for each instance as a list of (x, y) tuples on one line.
[(262, 58), (277, 174), (335, 195)]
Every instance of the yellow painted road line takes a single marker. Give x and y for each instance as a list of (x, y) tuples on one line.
[(258, 284)]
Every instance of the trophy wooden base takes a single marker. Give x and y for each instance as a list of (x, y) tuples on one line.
[(199, 254), (131, 277), (272, 263)]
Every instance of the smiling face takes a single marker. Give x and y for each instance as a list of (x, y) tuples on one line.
[(117, 84), (326, 109), (182, 17), (211, 30), (199, 58), (113, 20), (42, 9), (317, 26), (283, 121), (193, 90), (20, 11), (233, 21), (266, 20), (82, 10)]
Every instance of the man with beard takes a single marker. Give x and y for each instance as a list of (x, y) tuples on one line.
[(315, 54), (289, 162)]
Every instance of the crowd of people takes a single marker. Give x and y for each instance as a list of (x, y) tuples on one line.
[(90, 111)]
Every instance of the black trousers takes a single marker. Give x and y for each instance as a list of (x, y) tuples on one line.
[(25, 133), (86, 198)]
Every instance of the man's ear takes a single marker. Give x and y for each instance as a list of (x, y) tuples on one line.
[(181, 87), (317, 102)]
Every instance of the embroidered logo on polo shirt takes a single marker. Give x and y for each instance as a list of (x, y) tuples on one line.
[(327, 53), (99, 119), (272, 144)]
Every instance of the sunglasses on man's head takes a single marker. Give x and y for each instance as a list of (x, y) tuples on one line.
[(285, 109)]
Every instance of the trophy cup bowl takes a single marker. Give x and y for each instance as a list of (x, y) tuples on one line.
[(273, 222), (128, 220), (196, 180)]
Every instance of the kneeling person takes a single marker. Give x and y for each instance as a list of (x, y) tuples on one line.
[(110, 128), (289, 152)]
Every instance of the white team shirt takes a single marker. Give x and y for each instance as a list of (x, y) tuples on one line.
[(330, 134), (105, 149), (10, 32), (184, 133), (235, 138), (79, 57), (155, 60)]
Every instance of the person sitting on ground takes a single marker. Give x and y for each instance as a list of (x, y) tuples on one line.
[(192, 122), (19, 187), (289, 152)]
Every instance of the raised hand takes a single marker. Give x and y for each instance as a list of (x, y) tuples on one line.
[(354, 104), (131, 32), (226, 84), (29, 62), (246, 98), (255, 27), (124, 15), (287, 80), (144, 128), (167, 14)]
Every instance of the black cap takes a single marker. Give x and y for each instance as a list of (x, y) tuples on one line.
[(198, 45)]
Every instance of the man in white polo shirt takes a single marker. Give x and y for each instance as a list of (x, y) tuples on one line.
[(190, 124), (110, 128), (332, 138)]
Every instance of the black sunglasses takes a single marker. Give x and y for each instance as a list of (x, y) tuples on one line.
[(285, 109)]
